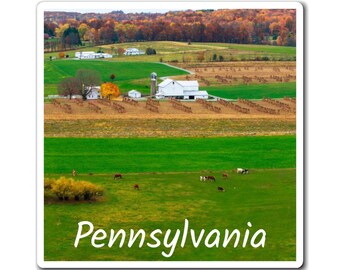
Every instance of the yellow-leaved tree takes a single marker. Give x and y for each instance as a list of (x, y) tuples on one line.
[(109, 90)]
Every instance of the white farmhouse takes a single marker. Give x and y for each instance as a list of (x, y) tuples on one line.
[(133, 51), (94, 93), (92, 55), (180, 90), (134, 94)]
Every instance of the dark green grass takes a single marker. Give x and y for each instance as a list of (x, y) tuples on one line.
[(55, 71), (167, 155), (266, 198), (254, 91)]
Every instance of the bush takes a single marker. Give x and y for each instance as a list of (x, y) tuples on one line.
[(150, 51), (61, 55), (67, 188)]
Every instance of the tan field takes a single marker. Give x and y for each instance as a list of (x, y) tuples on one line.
[(231, 73), (138, 121)]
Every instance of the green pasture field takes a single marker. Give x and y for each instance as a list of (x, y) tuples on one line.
[(266, 198), (127, 155), (167, 171), (254, 91), (128, 74)]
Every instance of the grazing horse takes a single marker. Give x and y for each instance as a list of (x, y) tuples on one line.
[(242, 171), (74, 173), (220, 189), (136, 186), (203, 178), (210, 177), (225, 175), (117, 176)]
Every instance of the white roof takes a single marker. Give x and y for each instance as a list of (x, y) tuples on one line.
[(165, 82), (86, 52), (183, 83), (133, 91)]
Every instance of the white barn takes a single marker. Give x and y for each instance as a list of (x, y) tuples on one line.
[(92, 55), (134, 94), (133, 51), (180, 90), (94, 93)]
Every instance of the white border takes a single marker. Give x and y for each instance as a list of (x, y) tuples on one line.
[(42, 6)]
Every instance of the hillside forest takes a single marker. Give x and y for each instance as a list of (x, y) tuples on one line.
[(67, 30)]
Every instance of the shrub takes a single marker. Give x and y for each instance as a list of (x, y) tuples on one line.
[(48, 183), (61, 55), (67, 188), (150, 51)]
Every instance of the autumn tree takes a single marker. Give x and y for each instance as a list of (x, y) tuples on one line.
[(83, 30), (70, 37), (121, 51), (109, 90), (89, 78), (69, 87)]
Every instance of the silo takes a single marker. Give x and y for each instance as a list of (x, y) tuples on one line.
[(153, 77)]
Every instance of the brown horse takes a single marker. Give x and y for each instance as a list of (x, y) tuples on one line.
[(210, 177), (117, 176), (136, 186), (225, 175)]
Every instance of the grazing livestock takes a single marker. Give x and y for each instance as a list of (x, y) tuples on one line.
[(242, 171), (210, 177), (117, 176), (136, 186), (225, 175), (74, 173), (203, 178), (220, 189)]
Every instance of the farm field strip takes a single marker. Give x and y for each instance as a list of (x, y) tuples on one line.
[(167, 155), (165, 108), (171, 127), (175, 50)]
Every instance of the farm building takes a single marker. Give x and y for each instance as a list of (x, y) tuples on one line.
[(133, 51), (134, 94), (94, 93), (180, 90), (92, 55)]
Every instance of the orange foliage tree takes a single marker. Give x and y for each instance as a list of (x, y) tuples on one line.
[(109, 90)]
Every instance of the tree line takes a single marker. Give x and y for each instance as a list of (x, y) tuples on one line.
[(242, 26)]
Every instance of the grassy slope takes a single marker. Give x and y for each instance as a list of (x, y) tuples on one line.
[(266, 198), (167, 155), (125, 73), (254, 91)]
